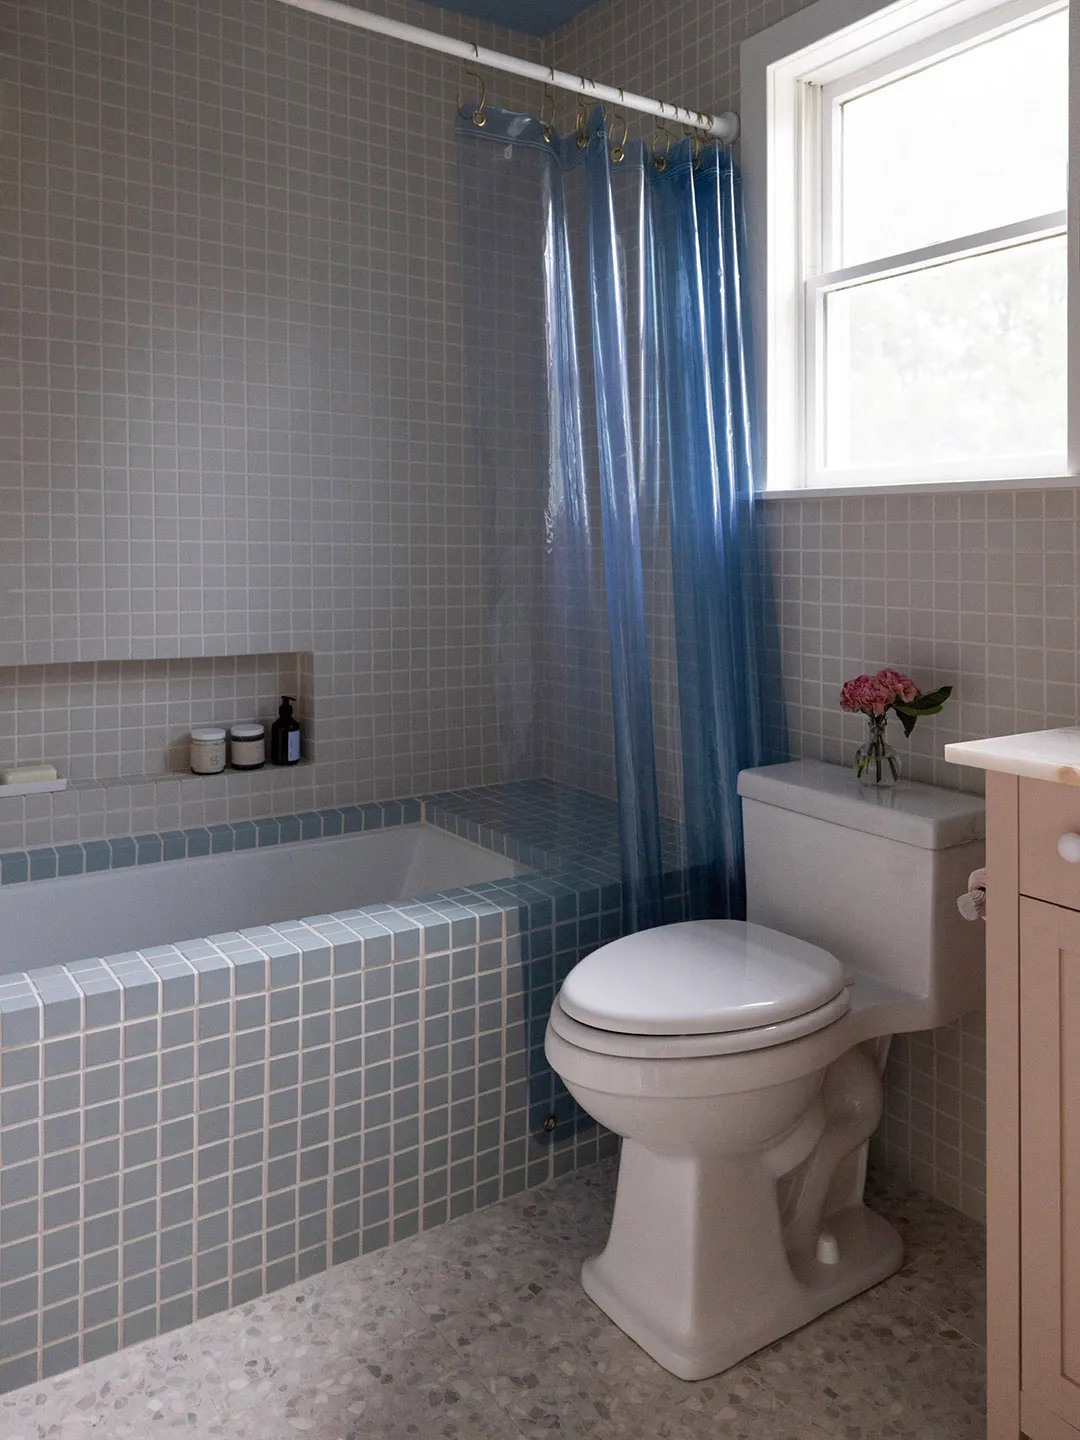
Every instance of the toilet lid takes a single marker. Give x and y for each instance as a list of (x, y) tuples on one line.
[(701, 977)]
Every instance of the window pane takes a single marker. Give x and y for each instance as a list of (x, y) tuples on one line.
[(969, 143), (961, 361)]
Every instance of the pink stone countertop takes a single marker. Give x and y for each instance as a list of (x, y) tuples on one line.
[(1038, 755)]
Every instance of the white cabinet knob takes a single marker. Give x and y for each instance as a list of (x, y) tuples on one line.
[(1069, 847)]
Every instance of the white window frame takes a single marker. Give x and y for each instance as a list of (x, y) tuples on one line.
[(791, 75)]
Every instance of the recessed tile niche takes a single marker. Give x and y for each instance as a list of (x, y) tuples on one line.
[(103, 719)]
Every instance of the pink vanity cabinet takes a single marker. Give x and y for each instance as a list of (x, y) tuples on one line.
[(1033, 1081)]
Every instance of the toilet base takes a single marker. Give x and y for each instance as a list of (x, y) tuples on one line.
[(695, 1270)]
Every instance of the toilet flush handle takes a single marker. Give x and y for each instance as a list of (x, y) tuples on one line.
[(1068, 847)]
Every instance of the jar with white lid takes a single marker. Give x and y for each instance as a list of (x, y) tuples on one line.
[(207, 750), (247, 745)]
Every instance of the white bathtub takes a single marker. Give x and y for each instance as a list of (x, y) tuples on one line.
[(52, 922)]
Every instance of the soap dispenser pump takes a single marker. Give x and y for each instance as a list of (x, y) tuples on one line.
[(285, 734)]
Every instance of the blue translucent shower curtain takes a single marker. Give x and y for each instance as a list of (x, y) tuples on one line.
[(627, 275)]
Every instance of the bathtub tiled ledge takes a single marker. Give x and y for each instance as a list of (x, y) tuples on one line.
[(537, 823), (48, 862)]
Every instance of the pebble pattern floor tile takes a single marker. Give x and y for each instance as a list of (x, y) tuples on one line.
[(479, 1330)]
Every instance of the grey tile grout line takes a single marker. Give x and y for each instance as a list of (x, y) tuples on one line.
[(422, 1122), (40, 1347), (268, 1065), (331, 1127), (122, 1221)]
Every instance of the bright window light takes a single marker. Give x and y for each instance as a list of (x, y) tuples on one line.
[(968, 143), (962, 361)]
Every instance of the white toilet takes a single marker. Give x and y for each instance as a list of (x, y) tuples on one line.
[(741, 1062)]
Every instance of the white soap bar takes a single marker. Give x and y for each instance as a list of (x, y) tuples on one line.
[(21, 774)]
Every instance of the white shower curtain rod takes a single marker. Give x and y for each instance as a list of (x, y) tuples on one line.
[(724, 127)]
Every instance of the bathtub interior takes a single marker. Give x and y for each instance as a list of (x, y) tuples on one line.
[(56, 922)]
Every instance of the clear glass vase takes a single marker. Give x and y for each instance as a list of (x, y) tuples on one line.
[(876, 762)]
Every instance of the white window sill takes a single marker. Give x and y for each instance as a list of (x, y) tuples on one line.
[(924, 487)]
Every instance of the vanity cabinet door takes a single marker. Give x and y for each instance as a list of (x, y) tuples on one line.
[(1050, 1165)]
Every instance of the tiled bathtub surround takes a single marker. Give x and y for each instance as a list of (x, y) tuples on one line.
[(184, 1128)]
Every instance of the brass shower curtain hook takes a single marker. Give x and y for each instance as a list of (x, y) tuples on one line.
[(582, 119), (660, 132), (477, 116), (618, 147), (692, 134), (547, 125)]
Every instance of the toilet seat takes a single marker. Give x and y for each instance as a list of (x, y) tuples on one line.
[(705, 987), (686, 1047)]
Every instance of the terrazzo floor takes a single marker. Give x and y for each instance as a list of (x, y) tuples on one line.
[(479, 1331)]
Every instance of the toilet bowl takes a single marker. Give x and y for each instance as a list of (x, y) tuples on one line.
[(700, 1268), (741, 1065)]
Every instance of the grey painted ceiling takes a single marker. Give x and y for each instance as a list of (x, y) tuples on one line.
[(538, 17)]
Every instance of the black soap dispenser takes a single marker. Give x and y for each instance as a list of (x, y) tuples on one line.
[(285, 734)]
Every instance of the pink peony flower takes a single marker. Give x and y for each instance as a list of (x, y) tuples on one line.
[(851, 693), (866, 694), (900, 686)]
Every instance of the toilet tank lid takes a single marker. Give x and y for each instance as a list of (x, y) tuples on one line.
[(915, 814)]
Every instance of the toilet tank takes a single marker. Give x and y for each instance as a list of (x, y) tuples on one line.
[(873, 876)]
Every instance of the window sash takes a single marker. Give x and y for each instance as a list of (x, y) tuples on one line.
[(815, 292), (831, 94), (999, 238)]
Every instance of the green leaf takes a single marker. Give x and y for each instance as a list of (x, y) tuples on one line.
[(932, 702), (907, 720)]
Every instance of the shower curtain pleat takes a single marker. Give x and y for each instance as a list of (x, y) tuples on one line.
[(643, 304), (631, 688), (729, 720)]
